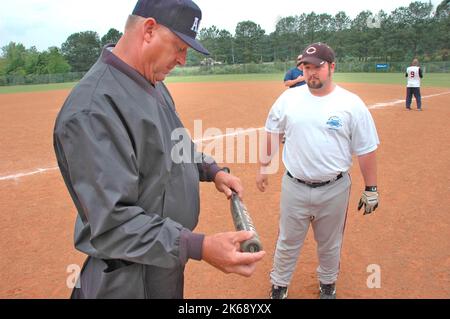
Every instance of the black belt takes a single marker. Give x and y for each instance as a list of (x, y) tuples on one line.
[(114, 264), (313, 184)]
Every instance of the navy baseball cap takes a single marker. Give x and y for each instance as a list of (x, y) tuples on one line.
[(182, 17), (317, 54)]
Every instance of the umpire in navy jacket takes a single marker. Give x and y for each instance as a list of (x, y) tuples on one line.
[(137, 204)]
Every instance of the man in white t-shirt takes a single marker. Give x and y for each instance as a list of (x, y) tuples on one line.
[(324, 126), (414, 74)]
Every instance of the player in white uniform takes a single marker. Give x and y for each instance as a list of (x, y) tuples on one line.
[(324, 125), (414, 74)]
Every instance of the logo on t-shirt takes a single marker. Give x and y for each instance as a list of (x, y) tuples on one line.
[(334, 123)]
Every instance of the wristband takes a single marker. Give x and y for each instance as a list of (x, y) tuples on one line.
[(371, 189)]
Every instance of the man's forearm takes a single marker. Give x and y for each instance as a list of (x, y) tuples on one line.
[(290, 83), (300, 79), (294, 82), (270, 148), (368, 166)]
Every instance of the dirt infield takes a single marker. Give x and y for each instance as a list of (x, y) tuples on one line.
[(407, 237)]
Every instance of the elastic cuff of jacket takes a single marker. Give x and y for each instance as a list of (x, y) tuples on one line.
[(212, 171), (191, 245)]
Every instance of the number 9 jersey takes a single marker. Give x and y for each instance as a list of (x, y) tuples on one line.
[(413, 73)]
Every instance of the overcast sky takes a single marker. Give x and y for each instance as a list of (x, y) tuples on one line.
[(45, 23)]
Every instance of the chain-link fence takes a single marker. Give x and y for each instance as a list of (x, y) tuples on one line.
[(391, 67), (279, 67), (269, 67), (40, 78)]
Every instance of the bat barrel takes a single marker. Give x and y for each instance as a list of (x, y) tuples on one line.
[(252, 245), (243, 221)]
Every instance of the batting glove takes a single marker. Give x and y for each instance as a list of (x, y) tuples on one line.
[(369, 199)]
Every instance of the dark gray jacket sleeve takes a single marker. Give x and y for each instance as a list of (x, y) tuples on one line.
[(104, 174), (207, 167)]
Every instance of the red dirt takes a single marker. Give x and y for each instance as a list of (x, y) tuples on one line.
[(408, 236)]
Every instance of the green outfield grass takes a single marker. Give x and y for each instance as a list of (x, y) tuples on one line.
[(430, 80), (225, 78), (36, 87)]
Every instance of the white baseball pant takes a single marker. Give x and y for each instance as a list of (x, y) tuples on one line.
[(326, 208)]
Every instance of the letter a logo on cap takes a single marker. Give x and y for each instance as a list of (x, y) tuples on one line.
[(195, 25)]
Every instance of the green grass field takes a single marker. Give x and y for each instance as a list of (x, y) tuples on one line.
[(430, 80), (36, 87)]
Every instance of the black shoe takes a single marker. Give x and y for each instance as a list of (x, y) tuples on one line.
[(279, 292), (327, 291), (408, 108)]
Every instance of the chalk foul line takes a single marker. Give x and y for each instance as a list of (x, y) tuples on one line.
[(34, 172), (234, 134)]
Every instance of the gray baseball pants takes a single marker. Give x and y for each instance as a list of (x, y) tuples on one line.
[(325, 208)]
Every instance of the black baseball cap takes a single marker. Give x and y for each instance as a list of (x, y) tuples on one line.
[(317, 54), (182, 17)]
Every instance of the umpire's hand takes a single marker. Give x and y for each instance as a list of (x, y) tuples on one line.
[(226, 182), (222, 251)]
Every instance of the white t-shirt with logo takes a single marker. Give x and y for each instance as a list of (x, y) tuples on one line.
[(413, 77), (321, 133)]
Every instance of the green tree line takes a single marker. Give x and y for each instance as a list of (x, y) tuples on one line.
[(77, 54), (406, 32)]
